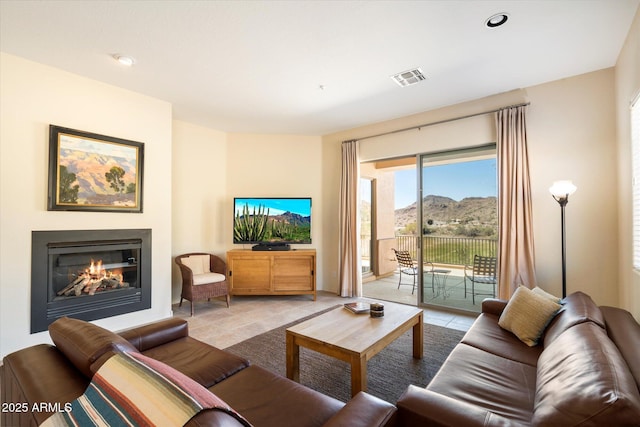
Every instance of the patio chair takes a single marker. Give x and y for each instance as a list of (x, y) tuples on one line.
[(406, 265), (482, 271)]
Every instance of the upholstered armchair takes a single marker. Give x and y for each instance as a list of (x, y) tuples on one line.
[(204, 276)]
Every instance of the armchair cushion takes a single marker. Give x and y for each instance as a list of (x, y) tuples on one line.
[(527, 315), (204, 278), (198, 264)]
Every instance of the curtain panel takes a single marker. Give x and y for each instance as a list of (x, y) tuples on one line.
[(516, 258), (350, 271)]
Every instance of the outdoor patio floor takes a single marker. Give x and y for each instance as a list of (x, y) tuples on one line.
[(453, 298)]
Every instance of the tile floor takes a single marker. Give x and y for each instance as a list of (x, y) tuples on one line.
[(248, 316), (453, 297)]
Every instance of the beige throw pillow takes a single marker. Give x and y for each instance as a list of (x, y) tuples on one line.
[(543, 293), (527, 315)]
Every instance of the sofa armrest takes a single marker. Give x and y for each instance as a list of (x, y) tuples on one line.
[(422, 407), (213, 417), (364, 410), (157, 333), (493, 306), (35, 376), (624, 331)]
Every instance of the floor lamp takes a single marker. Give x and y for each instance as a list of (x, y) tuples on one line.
[(561, 190)]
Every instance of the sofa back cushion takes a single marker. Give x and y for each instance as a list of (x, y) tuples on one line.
[(86, 345), (583, 380), (577, 308)]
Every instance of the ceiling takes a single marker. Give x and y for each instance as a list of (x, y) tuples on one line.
[(315, 67)]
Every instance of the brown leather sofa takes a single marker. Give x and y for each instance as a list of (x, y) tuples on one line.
[(585, 372), (59, 374)]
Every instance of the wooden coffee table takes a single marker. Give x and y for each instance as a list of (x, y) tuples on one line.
[(354, 338)]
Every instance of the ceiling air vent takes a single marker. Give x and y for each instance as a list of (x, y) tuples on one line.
[(409, 77)]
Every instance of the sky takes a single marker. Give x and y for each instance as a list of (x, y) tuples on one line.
[(277, 206), (457, 181)]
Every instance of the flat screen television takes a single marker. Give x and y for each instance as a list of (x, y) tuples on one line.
[(272, 220)]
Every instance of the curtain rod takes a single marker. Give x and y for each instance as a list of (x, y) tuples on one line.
[(440, 122)]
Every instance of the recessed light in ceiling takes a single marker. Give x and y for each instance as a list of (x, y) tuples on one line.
[(409, 77), (124, 60), (497, 20)]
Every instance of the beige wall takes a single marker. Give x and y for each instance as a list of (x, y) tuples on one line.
[(32, 97), (627, 79), (210, 168), (384, 189), (199, 190), (571, 135), (276, 166)]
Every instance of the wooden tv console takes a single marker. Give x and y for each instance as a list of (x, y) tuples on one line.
[(290, 272)]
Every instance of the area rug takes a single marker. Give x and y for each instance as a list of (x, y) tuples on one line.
[(389, 372)]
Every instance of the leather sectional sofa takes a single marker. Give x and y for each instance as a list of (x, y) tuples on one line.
[(57, 375), (585, 371)]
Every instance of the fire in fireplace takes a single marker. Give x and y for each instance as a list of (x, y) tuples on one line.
[(89, 274), (96, 278)]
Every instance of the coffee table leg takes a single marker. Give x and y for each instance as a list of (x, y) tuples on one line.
[(418, 337), (358, 374), (293, 359)]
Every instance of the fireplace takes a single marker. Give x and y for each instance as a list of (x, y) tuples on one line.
[(89, 274)]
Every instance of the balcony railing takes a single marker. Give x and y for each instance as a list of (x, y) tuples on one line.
[(448, 250)]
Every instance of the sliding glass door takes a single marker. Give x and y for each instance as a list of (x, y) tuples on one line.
[(441, 210), (457, 219)]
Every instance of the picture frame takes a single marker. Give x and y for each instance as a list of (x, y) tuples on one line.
[(94, 173)]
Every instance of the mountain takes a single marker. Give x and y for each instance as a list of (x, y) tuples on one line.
[(291, 218), (440, 211), (90, 169)]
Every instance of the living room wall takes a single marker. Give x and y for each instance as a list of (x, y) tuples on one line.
[(571, 135), (277, 166), (627, 76), (210, 168), (32, 97), (199, 193)]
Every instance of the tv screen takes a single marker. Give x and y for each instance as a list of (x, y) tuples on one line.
[(272, 220)]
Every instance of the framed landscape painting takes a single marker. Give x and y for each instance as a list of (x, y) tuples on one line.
[(91, 172)]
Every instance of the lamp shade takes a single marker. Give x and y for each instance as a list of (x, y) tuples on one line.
[(561, 189)]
